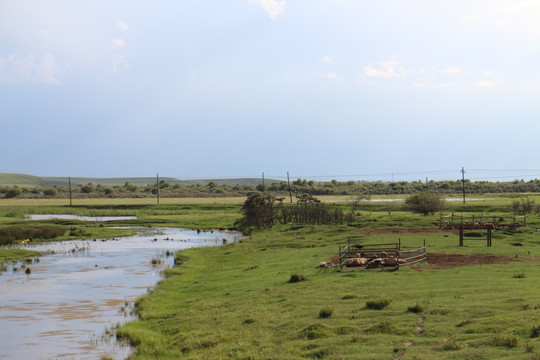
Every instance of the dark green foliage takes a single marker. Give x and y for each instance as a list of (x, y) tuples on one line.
[(326, 312), (425, 203), (78, 232), (13, 192), (173, 188), (378, 304), (258, 211), (524, 206), (10, 234), (295, 278), (535, 331), (310, 210), (50, 192), (88, 188), (415, 309)]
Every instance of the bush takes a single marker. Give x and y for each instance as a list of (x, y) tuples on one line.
[(415, 309), (325, 313), (10, 234), (508, 342), (535, 331), (50, 192), (13, 192), (425, 203), (377, 304), (295, 278)]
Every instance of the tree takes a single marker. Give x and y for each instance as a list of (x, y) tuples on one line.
[(524, 206), (258, 210), (425, 203), (87, 189)]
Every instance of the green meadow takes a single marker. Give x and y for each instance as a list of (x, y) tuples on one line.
[(239, 301)]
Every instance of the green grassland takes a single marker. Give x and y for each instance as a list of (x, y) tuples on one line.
[(236, 301)]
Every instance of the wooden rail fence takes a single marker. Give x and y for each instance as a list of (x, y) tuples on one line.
[(405, 256)]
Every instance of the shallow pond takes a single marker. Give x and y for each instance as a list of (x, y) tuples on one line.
[(77, 217), (79, 290)]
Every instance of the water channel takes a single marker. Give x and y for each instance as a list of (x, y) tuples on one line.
[(79, 290)]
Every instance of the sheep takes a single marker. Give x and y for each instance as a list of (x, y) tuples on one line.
[(374, 264), (324, 264), (350, 262), (391, 261)]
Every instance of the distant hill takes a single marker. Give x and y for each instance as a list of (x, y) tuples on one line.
[(23, 180)]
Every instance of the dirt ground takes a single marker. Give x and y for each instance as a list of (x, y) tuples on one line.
[(448, 261), (398, 230), (437, 261)]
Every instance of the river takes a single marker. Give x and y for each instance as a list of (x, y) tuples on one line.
[(68, 304)]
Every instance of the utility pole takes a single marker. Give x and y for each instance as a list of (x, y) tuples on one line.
[(69, 182), (289, 183), (463, 182), (157, 186), (263, 180)]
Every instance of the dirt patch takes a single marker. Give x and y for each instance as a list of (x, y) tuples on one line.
[(448, 261), (399, 230)]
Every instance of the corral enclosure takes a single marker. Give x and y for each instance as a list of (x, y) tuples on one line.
[(379, 252)]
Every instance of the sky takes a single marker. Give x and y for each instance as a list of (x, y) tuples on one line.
[(322, 89)]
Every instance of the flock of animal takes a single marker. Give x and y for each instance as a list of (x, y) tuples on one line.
[(373, 261)]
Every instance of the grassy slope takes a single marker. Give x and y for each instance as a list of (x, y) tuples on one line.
[(9, 179)]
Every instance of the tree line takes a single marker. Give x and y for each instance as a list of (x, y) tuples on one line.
[(282, 188)]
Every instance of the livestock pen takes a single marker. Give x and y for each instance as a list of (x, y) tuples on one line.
[(380, 255)]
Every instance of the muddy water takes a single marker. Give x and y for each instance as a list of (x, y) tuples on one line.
[(80, 290)]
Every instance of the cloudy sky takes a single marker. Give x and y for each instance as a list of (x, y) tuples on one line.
[(319, 88)]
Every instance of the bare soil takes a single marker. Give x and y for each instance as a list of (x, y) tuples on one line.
[(448, 261), (399, 230)]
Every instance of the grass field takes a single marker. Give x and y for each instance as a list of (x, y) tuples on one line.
[(236, 301)]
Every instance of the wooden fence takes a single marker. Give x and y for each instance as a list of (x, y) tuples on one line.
[(406, 256), (454, 222)]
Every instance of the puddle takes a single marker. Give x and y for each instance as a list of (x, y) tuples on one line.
[(77, 217), (79, 290)]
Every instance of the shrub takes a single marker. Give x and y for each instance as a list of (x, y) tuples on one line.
[(10, 234), (450, 345), (377, 304), (50, 192), (415, 309), (425, 203), (13, 192), (508, 342), (295, 278), (325, 313), (535, 331)]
